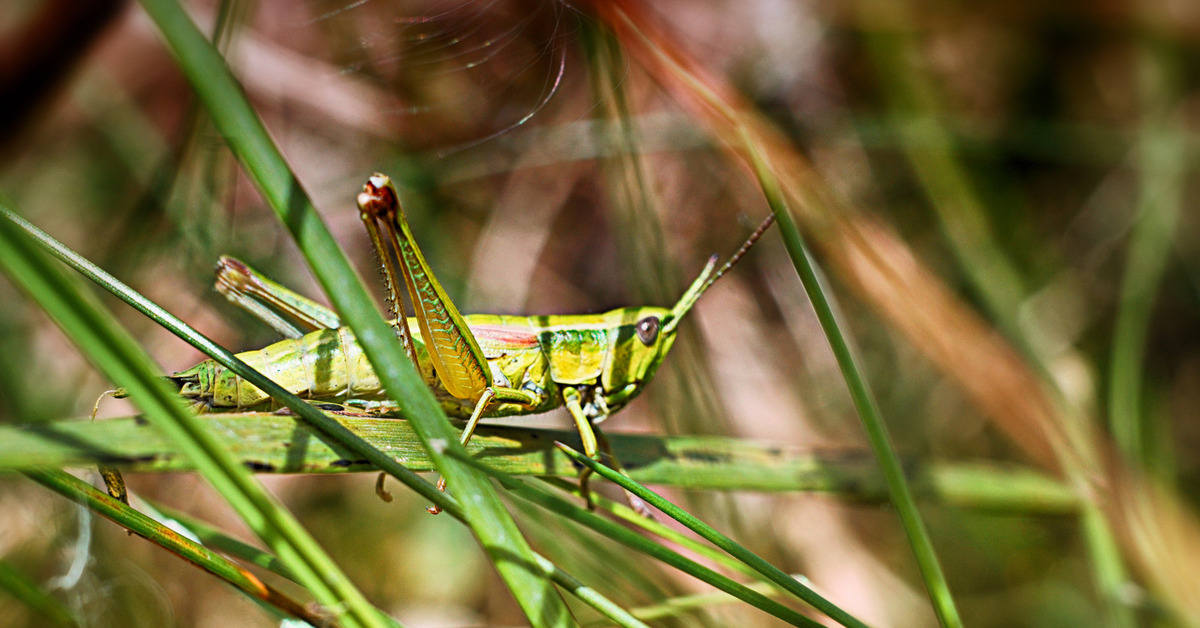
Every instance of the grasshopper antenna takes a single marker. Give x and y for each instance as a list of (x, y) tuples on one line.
[(762, 228), (708, 277)]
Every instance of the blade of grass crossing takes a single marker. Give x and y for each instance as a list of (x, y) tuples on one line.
[(23, 588), (77, 490), (119, 357), (864, 402), (771, 572), (311, 415), (242, 129), (1162, 150), (319, 421), (214, 538), (541, 497), (745, 137)]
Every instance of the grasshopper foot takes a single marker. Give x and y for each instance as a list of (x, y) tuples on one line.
[(585, 490), (380, 490), (435, 509)]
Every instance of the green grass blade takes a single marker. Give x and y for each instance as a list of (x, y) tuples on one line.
[(740, 131), (243, 130), (21, 587), (215, 539), (961, 214), (676, 606), (79, 491), (116, 354), (659, 529), (588, 595), (1162, 150), (639, 543), (620, 534), (319, 421), (929, 147), (864, 402), (271, 443), (1162, 153), (771, 572)]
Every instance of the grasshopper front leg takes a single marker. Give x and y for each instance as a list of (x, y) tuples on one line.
[(452, 348), (594, 441), (587, 436)]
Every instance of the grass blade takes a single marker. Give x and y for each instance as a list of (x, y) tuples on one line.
[(864, 401), (214, 538), (771, 572), (77, 490), (116, 354), (21, 587), (311, 415), (753, 142), (246, 136), (270, 443), (620, 534)]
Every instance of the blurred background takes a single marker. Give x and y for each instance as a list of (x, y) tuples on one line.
[(1038, 158)]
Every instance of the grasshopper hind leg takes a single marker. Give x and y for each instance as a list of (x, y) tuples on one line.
[(290, 313)]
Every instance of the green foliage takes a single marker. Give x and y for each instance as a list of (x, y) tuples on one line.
[(1020, 359)]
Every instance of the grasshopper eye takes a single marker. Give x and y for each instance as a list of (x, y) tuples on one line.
[(647, 330)]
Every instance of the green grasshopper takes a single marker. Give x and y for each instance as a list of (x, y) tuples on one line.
[(478, 366)]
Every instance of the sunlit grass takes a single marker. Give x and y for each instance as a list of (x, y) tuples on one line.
[(997, 201)]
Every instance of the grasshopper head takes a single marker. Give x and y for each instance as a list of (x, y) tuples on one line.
[(645, 334), (639, 345), (644, 337)]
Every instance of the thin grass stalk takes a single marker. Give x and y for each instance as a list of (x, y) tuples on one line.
[(963, 220), (119, 357), (770, 572), (213, 538), (590, 596), (1162, 151), (745, 137), (625, 178), (655, 550), (658, 528), (869, 256), (138, 523), (268, 443), (683, 395), (316, 420), (1162, 169), (23, 588), (246, 136), (593, 557), (571, 511), (216, 539), (960, 212), (864, 402), (676, 606)]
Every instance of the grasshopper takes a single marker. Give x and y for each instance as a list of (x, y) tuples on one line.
[(478, 366)]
